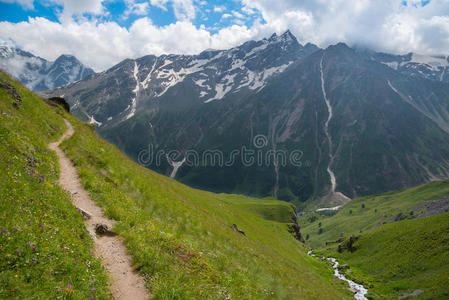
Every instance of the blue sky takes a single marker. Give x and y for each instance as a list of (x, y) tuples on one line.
[(214, 15), (101, 33)]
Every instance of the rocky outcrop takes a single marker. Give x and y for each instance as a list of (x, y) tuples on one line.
[(103, 229), (234, 226), (59, 101), (294, 228), (11, 90)]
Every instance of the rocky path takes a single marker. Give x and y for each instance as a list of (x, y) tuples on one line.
[(126, 283)]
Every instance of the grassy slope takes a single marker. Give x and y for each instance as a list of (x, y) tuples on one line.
[(181, 238), (392, 257), (378, 209), (35, 212), (402, 257)]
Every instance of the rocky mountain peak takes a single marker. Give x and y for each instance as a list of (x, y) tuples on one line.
[(40, 74)]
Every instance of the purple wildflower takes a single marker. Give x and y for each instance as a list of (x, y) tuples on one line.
[(15, 229), (42, 225), (69, 285), (34, 248), (18, 252), (76, 262), (49, 256), (34, 259), (29, 244), (3, 230), (93, 290)]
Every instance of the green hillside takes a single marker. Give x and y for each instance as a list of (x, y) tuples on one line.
[(409, 257), (45, 250), (180, 238), (395, 251), (369, 212)]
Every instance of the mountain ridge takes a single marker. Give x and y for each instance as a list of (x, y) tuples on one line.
[(39, 74), (222, 99)]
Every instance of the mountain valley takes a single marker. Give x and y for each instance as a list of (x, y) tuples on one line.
[(385, 110)]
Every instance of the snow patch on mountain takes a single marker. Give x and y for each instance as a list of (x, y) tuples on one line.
[(93, 121), (135, 91), (220, 91), (433, 61), (392, 64), (39, 74)]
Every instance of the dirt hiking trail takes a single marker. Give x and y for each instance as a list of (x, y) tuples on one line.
[(125, 282)]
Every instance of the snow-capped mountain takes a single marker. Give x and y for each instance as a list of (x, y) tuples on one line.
[(338, 107), (39, 74), (413, 64), (210, 76)]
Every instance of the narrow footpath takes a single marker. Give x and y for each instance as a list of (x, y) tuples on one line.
[(125, 282)]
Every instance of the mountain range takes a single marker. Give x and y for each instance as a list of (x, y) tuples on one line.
[(358, 121), (39, 74)]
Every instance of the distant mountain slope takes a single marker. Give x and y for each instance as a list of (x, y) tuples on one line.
[(370, 212), (402, 260), (39, 74), (417, 65), (358, 126), (114, 96), (181, 239), (396, 244)]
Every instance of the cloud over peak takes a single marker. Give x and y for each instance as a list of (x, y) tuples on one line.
[(89, 30)]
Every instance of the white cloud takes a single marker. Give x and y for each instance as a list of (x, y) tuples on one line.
[(26, 4), (237, 14), (225, 16), (133, 8), (183, 9), (100, 45), (383, 25), (78, 8), (219, 8)]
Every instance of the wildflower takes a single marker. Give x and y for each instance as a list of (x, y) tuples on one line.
[(27, 261), (93, 290), (34, 259), (76, 262), (29, 244), (69, 289), (3, 230), (42, 225), (15, 276), (15, 229), (49, 256), (34, 248), (45, 215), (18, 252)]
